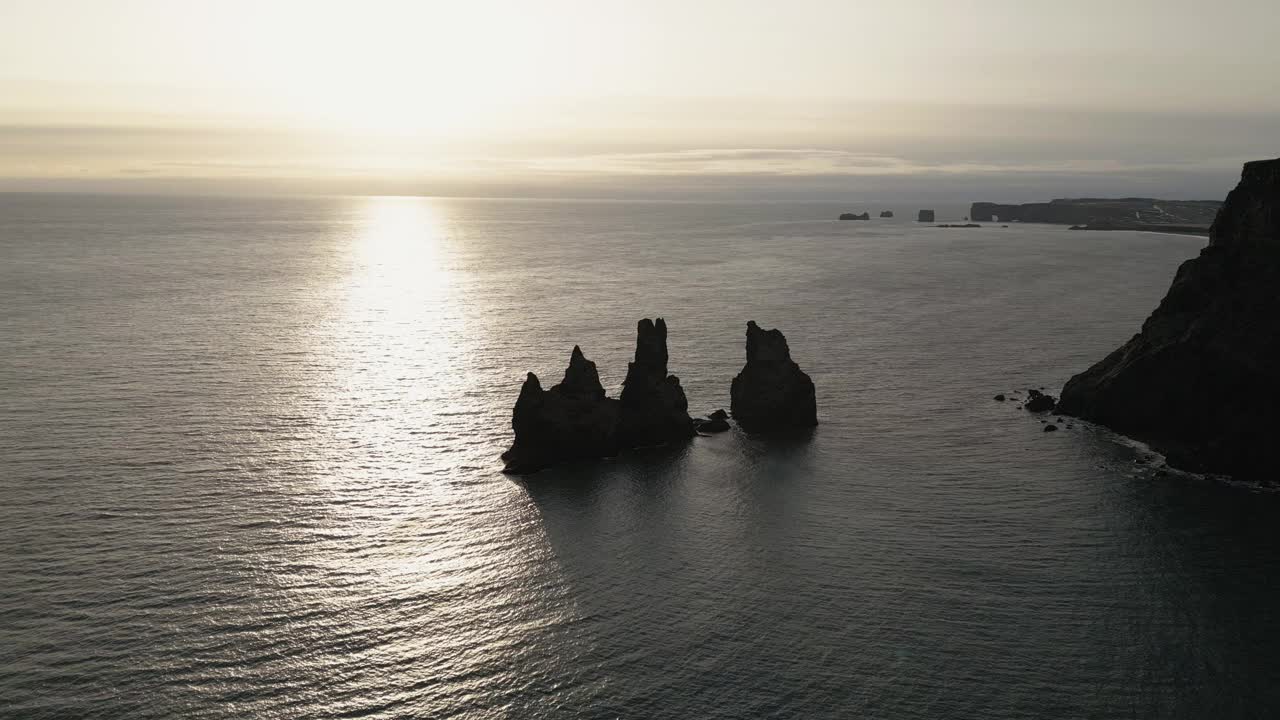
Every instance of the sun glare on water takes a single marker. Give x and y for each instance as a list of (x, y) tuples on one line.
[(400, 263)]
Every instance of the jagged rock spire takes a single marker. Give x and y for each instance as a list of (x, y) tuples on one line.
[(771, 392), (654, 407)]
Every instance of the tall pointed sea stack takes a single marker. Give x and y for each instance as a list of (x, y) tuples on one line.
[(771, 392), (1201, 382), (654, 407), (570, 421)]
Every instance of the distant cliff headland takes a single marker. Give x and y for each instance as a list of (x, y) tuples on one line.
[(1183, 216)]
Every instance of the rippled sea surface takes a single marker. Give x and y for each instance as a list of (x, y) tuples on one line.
[(249, 468)]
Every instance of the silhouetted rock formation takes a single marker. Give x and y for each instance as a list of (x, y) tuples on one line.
[(575, 419), (771, 392), (1039, 402), (851, 216), (1199, 382), (1080, 211), (886, 213), (966, 225), (570, 421), (925, 216), (654, 408)]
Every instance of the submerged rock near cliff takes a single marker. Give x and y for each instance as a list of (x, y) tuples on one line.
[(572, 420), (654, 407), (1199, 382), (771, 392)]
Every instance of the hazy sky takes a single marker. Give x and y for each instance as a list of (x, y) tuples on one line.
[(1007, 99)]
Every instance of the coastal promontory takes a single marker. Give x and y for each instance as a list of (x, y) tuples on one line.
[(1199, 382)]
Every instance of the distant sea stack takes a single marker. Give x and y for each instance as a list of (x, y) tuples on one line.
[(851, 216), (925, 216), (771, 393), (886, 213), (1199, 383)]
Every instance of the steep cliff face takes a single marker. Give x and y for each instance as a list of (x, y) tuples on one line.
[(1200, 382), (772, 392)]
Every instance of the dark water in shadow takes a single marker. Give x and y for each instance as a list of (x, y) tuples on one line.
[(248, 456)]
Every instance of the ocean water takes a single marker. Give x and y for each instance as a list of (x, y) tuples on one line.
[(249, 468)]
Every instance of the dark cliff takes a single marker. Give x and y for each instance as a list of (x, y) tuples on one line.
[(1199, 382)]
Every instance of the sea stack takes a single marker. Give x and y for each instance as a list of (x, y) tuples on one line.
[(572, 420), (886, 213), (771, 393), (1199, 382), (925, 216), (654, 407)]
